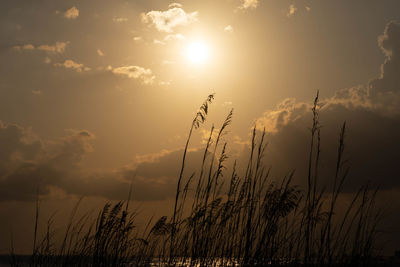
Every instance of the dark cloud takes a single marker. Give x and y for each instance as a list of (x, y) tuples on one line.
[(371, 146), (30, 165), (373, 125), (16, 143), (153, 177)]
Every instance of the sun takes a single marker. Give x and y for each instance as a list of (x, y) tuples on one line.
[(197, 53)]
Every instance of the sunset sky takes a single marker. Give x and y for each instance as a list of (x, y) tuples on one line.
[(92, 92)]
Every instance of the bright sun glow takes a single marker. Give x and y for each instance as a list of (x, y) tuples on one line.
[(197, 53)]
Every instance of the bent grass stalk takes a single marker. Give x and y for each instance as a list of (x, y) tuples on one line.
[(250, 219)]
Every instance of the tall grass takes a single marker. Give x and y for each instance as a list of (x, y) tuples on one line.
[(227, 220)]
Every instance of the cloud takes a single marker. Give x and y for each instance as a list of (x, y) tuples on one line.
[(70, 64), (286, 111), (153, 177), (37, 92), (166, 21), (372, 113), (120, 19), (168, 62), (24, 47), (158, 42), (370, 143), (292, 10), (58, 47), (164, 83), (137, 38), (28, 163), (381, 94), (248, 4), (389, 79), (71, 13), (135, 72), (228, 29), (100, 53), (174, 37), (172, 5), (205, 135), (157, 173)]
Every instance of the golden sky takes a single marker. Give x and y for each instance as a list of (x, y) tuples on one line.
[(94, 91)]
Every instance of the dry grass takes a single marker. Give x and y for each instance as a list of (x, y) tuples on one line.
[(245, 219)]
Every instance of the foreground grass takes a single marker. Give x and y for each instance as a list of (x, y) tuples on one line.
[(226, 220)]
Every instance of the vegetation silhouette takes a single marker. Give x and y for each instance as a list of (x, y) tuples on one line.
[(249, 221)]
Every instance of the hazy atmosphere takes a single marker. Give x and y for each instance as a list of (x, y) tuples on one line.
[(98, 95)]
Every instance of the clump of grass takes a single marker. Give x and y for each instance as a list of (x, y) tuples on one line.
[(241, 219), (258, 222)]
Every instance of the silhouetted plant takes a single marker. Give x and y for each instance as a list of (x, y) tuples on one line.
[(247, 219)]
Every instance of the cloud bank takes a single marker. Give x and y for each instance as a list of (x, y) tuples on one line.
[(372, 113), (29, 165)]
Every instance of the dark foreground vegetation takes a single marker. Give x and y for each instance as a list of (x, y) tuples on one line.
[(230, 217)]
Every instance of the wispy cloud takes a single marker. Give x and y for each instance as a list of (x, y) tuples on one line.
[(24, 47), (164, 83), (135, 72), (59, 47), (37, 92), (100, 53), (70, 64), (248, 4), (174, 37), (120, 19), (166, 21), (158, 42), (205, 135), (292, 10), (172, 5), (137, 38), (228, 29), (72, 13)]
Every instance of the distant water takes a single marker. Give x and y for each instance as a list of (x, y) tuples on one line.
[(24, 260)]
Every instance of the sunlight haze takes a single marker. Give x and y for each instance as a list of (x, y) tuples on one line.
[(96, 96)]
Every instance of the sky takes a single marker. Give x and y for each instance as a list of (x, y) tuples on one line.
[(94, 93)]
